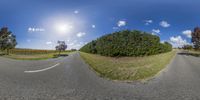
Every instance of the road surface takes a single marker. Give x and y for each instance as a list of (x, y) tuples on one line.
[(69, 78)]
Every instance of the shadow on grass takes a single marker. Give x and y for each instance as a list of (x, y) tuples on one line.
[(2, 54), (189, 54), (59, 55)]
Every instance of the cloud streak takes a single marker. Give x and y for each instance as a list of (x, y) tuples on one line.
[(33, 29)]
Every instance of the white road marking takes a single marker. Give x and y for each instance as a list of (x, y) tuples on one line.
[(34, 71)]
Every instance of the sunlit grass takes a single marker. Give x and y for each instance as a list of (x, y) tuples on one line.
[(128, 68)]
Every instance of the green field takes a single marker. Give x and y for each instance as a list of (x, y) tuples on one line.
[(128, 68), (33, 54)]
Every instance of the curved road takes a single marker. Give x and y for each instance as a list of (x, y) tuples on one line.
[(70, 78)]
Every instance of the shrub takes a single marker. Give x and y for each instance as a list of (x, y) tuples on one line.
[(127, 43), (187, 47)]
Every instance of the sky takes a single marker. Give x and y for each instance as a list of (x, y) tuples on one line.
[(39, 24)]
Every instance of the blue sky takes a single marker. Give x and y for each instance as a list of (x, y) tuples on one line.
[(38, 24)]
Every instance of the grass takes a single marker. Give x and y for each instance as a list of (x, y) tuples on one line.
[(128, 68), (34, 56), (194, 53)]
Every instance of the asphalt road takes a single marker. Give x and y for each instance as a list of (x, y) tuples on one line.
[(69, 78)]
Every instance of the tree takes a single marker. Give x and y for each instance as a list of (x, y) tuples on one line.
[(168, 46), (7, 40), (61, 46), (196, 38), (187, 47)]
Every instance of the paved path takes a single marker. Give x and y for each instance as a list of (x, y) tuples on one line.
[(69, 78)]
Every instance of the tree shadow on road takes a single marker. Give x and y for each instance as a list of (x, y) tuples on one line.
[(60, 55), (2, 54), (189, 54)]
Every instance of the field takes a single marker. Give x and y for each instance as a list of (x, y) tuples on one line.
[(128, 68), (19, 51), (34, 54)]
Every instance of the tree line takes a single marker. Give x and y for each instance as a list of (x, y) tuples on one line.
[(122, 43), (127, 43)]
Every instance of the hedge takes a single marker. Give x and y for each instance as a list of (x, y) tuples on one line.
[(127, 43)]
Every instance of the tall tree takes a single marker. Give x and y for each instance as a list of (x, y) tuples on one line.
[(196, 38), (7, 40), (61, 46)]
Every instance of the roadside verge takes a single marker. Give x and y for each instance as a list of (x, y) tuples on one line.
[(128, 68)]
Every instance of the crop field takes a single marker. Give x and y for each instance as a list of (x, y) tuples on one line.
[(33, 54), (30, 51)]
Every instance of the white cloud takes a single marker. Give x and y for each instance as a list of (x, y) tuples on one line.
[(178, 41), (115, 28), (49, 43), (76, 11), (147, 22), (164, 24), (93, 26), (17, 46), (155, 31), (33, 29), (28, 40), (121, 23), (187, 33), (163, 41), (80, 34), (75, 44), (71, 44)]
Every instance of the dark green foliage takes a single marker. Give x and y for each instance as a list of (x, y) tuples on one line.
[(7, 40), (127, 43), (61, 46), (187, 47), (196, 38)]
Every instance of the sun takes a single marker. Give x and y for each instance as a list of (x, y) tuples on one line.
[(63, 28)]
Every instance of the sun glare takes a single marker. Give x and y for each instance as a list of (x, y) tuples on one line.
[(63, 28)]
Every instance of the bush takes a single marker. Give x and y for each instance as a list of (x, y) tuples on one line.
[(127, 43), (187, 47)]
